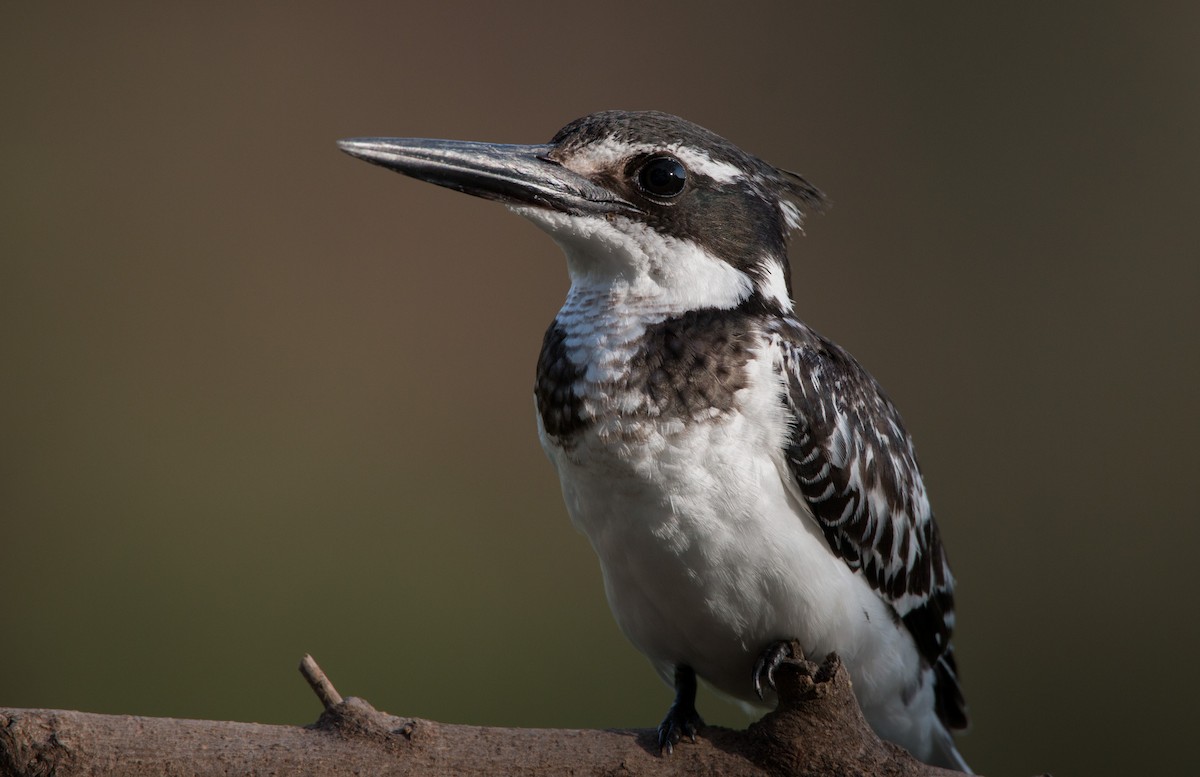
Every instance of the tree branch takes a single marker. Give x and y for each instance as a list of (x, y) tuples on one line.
[(816, 730), (319, 682)]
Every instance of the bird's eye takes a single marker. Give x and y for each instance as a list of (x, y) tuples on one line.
[(662, 176)]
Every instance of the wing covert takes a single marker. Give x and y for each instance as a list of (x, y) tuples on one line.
[(854, 464)]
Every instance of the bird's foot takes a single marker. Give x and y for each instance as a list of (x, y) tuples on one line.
[(681, 721), (770, 659)]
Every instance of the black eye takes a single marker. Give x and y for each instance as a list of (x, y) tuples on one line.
[(662, 176)]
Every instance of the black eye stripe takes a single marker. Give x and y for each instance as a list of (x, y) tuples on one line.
[(662, 176)]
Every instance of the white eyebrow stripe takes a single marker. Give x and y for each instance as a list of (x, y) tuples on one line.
[(605, 153), (702, 163)]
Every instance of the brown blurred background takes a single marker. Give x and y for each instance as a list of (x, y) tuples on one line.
[(258, 398)]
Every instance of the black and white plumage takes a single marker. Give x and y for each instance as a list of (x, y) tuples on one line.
[(742, 479)]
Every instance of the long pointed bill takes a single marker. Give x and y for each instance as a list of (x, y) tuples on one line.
[(516, 175)]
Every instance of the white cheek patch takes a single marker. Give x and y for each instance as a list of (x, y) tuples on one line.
[(605, 154)]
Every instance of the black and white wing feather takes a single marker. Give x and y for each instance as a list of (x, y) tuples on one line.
[(854, 465)]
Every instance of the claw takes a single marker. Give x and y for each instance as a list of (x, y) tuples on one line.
[(768, 661), (678, 724)]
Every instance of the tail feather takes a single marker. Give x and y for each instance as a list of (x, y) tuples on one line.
[(945, 754)]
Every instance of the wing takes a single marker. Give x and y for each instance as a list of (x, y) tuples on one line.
[(854, 464)]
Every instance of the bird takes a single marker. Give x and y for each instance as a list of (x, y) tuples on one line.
[(743, 480)]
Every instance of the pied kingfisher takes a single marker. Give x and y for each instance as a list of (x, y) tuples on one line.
[(743, 480)]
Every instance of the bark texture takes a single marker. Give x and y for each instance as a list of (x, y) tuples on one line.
[(816, 730)]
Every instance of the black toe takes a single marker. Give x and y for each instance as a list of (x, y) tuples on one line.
[(677, 725), (768, 661)]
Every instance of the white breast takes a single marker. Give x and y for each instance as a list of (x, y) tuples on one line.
[(708, 557), (708, 553)]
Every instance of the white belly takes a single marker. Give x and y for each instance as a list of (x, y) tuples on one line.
[(708, 558)]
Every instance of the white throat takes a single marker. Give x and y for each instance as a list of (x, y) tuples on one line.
[(634, 264)]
